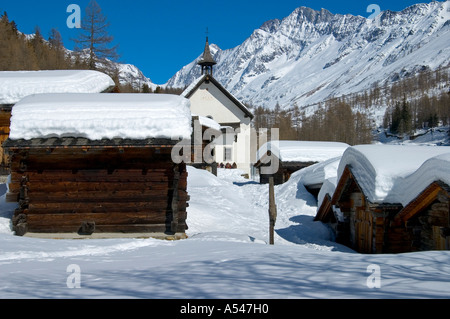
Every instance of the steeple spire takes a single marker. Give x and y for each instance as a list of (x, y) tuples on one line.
[(207, 62)]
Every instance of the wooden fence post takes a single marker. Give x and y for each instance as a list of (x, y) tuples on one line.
[(272, 210)]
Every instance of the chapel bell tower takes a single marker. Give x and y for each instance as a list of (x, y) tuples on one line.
[(207, 62)]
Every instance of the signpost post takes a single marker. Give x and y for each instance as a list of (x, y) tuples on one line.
[(272, 210)]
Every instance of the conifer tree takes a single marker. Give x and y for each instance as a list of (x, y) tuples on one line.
[(94, 38), (58, 55)]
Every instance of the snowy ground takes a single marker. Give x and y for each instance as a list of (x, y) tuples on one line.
[(226, 255)]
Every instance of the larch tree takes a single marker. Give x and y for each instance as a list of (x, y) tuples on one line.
[(94, 39)]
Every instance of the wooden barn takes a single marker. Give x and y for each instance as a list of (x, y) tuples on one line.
[(15, 85), (293, 156), (99, 165), (371, 209)]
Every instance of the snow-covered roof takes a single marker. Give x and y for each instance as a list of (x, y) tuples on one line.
[(192, 86), (435, 169), (15, 85), (318, 173), (386, 173), (101, 116), (328, 188), (302, 151)]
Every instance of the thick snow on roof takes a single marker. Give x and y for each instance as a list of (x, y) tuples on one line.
[(328, 188), (435, 169), (101, 116), (303, 151), (380, 169), (15, 85), (318, 173)]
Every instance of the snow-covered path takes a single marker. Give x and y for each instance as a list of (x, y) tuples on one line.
[(226, 256)]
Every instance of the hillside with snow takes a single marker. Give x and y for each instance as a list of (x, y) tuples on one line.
[(311, 56)]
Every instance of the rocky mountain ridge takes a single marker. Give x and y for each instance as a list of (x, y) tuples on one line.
[(311, 55)]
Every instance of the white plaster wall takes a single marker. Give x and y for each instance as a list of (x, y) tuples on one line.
[(208, 100)]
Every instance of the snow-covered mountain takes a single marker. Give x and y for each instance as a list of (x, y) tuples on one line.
[(127, 73), (311, 55), (130, 74)]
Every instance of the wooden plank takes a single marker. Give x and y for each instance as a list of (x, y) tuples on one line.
[(108, 196), (96, 172), (12, 197), (42, 220), (93, 176), (162, 228), (176, 198), (50, 158), (419, 203), (95, 186), (104, 207), (152, 228)]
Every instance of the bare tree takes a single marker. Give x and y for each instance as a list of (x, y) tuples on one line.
[(94, 39)]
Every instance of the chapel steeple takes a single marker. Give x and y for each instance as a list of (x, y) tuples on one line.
[(207, 62)]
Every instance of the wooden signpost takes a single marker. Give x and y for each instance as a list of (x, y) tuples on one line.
[(272, 210)]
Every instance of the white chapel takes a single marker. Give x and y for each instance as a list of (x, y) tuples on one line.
[(210, 99)]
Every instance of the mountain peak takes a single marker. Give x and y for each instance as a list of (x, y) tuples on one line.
[(271, 25), (311, 15), (311, 55)]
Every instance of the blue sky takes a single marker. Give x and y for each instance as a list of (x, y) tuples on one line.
[(160, 37)]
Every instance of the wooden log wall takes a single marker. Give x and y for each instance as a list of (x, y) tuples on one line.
[(5, 117), (114, 190), (369, 229), (431, 228)]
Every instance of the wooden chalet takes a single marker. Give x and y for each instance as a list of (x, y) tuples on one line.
[(293, 156), (371, 225), (284, 172), (356, 221), (77, 186), (15, 85)]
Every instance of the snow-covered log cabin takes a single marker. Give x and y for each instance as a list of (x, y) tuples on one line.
[(15, 85), (295, 155), (382, 195), (97, 164)]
